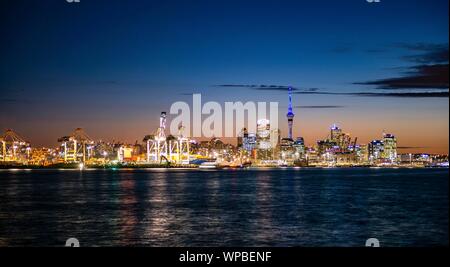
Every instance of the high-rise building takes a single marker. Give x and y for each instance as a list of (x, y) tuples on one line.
[(247, 141), (241, 137), (376, 149), (264, 145), (341, 140), (250, 143), (390, 147), (299, 146), (275, 138), (290, 115), (335, 133), (287, 151)]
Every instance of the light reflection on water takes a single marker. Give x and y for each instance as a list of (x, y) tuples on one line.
[(271, 207)]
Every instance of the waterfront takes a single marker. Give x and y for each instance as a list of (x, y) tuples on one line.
[(249, 207)]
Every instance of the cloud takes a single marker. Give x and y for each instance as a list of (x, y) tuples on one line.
[(427, 47), (376, 94), (261, 87), (311, 90), (317, 91), (429, 72), (407, 94), (236, 85), (264, 87), (429, 53), (274, 88), (418, 77), (318, 107)]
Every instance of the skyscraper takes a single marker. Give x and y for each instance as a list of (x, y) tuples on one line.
[(390, 147), (264, 138), (299, 146), (376, 149), (335, 134), (290, 115)]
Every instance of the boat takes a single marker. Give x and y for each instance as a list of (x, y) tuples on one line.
[(208, 165)]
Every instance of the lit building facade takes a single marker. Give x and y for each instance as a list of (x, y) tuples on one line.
[(264, 142), (376, 149), (287, 150), (299, 147), (247, 141), (389, 148)]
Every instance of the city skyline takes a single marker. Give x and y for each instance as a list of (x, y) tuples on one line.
[(112, 68)]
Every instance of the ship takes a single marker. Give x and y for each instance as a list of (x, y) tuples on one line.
[(208, 165)]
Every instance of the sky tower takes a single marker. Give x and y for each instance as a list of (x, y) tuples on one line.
[(290, 115)]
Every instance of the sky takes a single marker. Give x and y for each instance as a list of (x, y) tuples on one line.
[(111, 66)]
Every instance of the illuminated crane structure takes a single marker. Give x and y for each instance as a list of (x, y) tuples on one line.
[(171, 148), (157, 143), (182, 147), (77, 147), (14, 148)]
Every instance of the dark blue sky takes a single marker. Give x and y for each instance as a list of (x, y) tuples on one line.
[(110, 66)]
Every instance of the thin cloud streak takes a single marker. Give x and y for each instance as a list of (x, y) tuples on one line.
[(319, 107), (368, 94)]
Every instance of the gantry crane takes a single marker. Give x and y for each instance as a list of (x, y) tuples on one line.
[(77, 146), (14, 148), (173, 149), (179, 147), (157, 143)]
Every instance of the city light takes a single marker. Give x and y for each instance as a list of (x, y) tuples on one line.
[(264, 147)]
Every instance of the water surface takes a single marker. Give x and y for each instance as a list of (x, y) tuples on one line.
[(269, 207)]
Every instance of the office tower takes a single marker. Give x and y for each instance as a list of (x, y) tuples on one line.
[(390, 147), (287, 151), (335, 134), (264, 145), (249, 143), (376, 149), (242, 136), (299, 146)]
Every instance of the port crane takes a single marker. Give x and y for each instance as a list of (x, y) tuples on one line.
[(13, 147), (77, 146), (170, 148)]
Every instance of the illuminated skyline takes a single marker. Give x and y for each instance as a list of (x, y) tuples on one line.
[(111, 67)]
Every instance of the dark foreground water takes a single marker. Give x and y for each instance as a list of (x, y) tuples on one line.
[(275, 207)]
